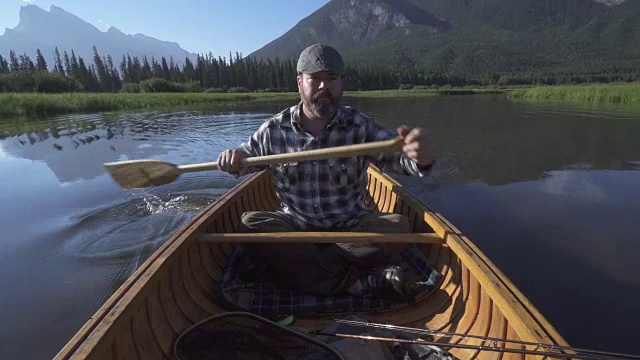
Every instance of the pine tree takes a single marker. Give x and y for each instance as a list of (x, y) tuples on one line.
[(114, 77), (124, 70), (67, 64), (100, 71), (83, 75), (166, 74), (4, 65), (94, 78), (176, 74), (41, 64), (221, 74), (14, 63), (75, 67), (26, 64), (156, 69), (188, 70), (57, 67), (137, 71), (239, 71), (146, 72), (199, 72)]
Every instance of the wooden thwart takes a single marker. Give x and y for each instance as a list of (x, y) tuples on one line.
[(323, 237)]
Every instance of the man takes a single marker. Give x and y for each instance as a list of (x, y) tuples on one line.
[(328, 195)]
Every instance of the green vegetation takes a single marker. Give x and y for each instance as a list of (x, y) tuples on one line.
[(135, 75), (37, 104), (622, 94), (422, 91), (51, 104), (28, 104)]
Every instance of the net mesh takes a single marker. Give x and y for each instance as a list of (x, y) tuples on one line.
[(245, 336)]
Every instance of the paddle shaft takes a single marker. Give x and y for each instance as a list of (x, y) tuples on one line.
[(133, 174), (371, 148)]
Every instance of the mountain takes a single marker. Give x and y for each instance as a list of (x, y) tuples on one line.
[(477, 38), (351, 23), (44, 30)]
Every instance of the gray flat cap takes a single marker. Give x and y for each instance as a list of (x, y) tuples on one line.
[(320, 57)]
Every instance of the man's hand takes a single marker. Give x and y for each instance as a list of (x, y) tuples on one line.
[(418, 146), (232, 160)]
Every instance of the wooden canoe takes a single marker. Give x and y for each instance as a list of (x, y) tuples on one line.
[(171, 291)]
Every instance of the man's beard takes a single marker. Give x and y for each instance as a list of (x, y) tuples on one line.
[(320, 107)]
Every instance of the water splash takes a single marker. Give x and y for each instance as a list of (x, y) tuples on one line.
[(133, 229), (119, 238)]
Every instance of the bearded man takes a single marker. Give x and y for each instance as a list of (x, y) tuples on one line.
[(328, 195)]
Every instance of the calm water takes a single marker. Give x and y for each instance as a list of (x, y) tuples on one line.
[(550, 193)]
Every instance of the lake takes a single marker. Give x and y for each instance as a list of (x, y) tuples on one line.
[(551, 193)]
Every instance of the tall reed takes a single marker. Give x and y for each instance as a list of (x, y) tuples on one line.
[(29, 104), (623, 94)]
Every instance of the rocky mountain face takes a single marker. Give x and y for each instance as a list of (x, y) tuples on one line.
[(470, 37), (351, 23), (44, 30)]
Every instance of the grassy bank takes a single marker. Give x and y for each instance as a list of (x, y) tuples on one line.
[(30, 104), (623, 94), (421, 92), (54, 104)]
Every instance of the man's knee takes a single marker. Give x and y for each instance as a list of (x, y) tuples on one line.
[(387, 223), (400, 222), (384, 223), (265, 221)]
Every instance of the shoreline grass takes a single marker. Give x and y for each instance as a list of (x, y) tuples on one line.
[(627, 94), (423, 92), (41, 105), (38, 105)]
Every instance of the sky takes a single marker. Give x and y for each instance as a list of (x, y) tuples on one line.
[(199, 26)]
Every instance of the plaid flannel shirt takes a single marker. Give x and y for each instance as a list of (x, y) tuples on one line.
[(326, 194)]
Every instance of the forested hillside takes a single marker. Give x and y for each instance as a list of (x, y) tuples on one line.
[(520, 41)]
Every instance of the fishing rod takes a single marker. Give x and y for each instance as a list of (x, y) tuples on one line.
[(479, 347), (568, 352)]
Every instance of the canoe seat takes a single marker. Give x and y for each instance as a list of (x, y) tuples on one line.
[(270, 301)]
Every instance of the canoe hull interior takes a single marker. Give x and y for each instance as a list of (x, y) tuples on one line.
[(174, 288)]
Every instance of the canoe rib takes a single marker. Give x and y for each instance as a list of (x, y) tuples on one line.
[(173, 289)]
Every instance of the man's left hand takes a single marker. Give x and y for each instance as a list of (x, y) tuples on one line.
[(418, 146)]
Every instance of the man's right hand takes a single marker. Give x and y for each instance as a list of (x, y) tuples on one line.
[(232, 160)]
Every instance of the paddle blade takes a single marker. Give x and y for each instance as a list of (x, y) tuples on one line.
[(142, 173)]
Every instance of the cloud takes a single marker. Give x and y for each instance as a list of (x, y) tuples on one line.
[(28, 1), (102, 25)]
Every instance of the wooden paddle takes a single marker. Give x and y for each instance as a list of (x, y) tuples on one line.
[(143, 173)]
